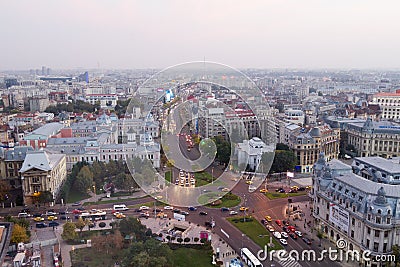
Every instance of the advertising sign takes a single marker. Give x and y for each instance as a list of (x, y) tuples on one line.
[(339, 216)]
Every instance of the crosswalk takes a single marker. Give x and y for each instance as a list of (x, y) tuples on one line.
[(286, 261)]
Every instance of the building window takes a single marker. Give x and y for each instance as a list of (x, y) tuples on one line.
[(376, 246), (378, 220), (386, 233), (352, 234), (388, 220), (35, 180), (377, 233), (353, 221), (367, 243)]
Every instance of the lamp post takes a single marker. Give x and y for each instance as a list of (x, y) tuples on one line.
[(244, 213)]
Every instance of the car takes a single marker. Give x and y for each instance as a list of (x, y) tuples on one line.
[(51, 213), (279, 189), (76, 204), (203, 213), (301, 189), (64, 217), (23, 215), (185, 213), (277, 235), (76, 211), (51, 218), (41, 225), (286, 223), (270, 228), (295, 187), (233, 212), (53, 224), (162, 215), (283, 241), (156, 210), (293, 235), (291, 228), (177, 211), (306, 240), (292, 191), (284, 228), (192, 208), (144, 208), (168, 208), (284, 235), (308, 187), (38, 219), (119, 215), (249, 182), (81, 208), (144, 215), (37, 215), (224, 209), (298, 233), (264, 190), (26, 210), (278, 222), (225, 189), (268, 218), (62, 212), (244, 209)]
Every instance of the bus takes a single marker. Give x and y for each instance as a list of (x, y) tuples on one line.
[(119, 207), (93, 215), (249, 258)]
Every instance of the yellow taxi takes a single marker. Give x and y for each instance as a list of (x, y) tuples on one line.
[(38, 219), (249, 182), (263, 190), (119, 215), (308, 187), (162, 215), (295, 187), (244, 209), (51, 218), (268, 218)]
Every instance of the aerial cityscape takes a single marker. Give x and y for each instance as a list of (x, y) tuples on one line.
[(212, 133)]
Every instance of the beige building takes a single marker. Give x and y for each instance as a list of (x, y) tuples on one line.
[(389, 104), (307, 144), (372, 138), (42, 171)]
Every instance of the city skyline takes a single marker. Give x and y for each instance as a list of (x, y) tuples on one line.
[(140, 35)]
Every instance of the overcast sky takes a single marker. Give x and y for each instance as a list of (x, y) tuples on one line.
[(149, 33)]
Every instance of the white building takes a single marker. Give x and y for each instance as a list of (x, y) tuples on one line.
[(250, 151)]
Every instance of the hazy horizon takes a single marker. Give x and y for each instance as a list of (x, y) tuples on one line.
[(307, 35)]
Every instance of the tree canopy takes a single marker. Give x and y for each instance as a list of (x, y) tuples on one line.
[(283, 161), (69, 232), (19, 234)]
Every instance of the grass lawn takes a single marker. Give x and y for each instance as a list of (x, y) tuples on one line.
[(75, 196), (274, 195), (253, 230), (168, 176), (182, 257), (229, 200), (206, 198), (91, 258)]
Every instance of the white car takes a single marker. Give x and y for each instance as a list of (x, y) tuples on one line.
[(143, 208), (298, 233), (277, 235), (284, 235), (225, 189), (270, 228), (283, 241), (233, 212), (168, 208)]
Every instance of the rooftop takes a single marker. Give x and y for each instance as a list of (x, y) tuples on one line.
[(42, 160)]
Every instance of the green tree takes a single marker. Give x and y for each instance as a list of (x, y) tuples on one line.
[(125, 181), (69, 232), (19, 234), (281, 146), (223, 149), (80, 224), (396, 253), (283, 161), (132, 225), (84, 180), (45, 197), (4, 190)]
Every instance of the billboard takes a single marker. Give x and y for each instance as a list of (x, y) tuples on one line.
[(339, 216)]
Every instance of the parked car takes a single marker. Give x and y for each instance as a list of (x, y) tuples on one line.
[(270, 228), (277, 235), (41, 225), (203, 213), (185, 213), (53, 224), (306, 240), (192, 208), (268, 218), (38, 219), (64, 217), (278, 222), (284, 235), (168, 208), (293, 235), (298, 233), (233, 212), (224, 209), (283, 241)]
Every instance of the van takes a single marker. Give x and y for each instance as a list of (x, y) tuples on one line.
[(120, 207)]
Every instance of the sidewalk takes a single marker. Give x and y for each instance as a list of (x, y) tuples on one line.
[(95, 198)]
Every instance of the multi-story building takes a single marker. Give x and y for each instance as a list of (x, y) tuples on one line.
[(372, 138), (42, 171), (250, 152), (105, 100), (358, 203), (389, 104), (38, 104), (39, 137), (308, 143)]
